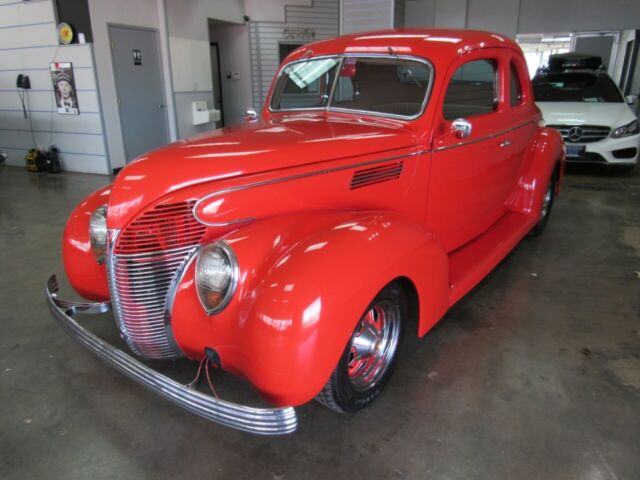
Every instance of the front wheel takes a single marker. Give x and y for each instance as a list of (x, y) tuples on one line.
[(370, 355), (547, 205)]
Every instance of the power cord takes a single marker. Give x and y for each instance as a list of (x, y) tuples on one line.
[(23, 94)]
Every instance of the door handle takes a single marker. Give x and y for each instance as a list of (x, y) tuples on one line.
[(161, 105), (506, 143)]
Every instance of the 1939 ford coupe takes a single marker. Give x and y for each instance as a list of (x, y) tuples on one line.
[(387, 174)]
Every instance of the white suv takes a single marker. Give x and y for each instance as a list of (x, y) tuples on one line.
[(590, 112)]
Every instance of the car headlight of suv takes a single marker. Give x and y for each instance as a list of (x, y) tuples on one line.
[(98, 232), (216, 276), (626, 130)]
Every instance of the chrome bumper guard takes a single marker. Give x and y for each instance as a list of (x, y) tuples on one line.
[(261, 421)]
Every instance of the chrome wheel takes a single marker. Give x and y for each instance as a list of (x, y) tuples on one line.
[(373, 345), (546, 201), (547, 204), (370, 354)]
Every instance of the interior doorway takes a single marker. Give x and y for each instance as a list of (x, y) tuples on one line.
[(601, 44), (216, 78), (135, 55), (231, 73)]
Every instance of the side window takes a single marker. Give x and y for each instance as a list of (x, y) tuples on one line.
[(516, 87), (473, 90)]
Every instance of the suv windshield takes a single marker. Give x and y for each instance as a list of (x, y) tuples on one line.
[(575, 87), (381, 85)]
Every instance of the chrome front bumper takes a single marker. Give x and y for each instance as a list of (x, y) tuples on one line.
[(261, 421)]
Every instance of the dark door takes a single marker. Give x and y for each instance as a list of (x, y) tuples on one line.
[(217, 81), (138, 77)]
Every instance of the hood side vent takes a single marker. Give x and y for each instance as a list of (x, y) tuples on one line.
[(377, 174)]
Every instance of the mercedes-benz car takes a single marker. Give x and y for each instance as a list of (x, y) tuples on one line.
[(388, 173), (590, 112)]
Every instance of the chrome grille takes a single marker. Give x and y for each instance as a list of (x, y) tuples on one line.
[(145, 260), (582, 133)]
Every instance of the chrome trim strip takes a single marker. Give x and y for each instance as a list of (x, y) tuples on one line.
[(342, 56), (287, 179), (260, 421), (488, 137), (112, 237), (171, 296)]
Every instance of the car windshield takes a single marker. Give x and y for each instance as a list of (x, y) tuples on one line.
[(380, 85), (575, 87)]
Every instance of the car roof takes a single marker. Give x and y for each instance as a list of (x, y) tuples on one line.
[(437, 45)]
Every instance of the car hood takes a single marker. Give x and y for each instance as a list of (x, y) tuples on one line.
[(611, 115), (246, 149)]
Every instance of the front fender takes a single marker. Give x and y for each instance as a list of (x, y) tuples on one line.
[(305, 281), (86, 276)]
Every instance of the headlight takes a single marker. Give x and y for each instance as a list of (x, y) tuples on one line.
[(98, 232), (626, 130), (216, 276)]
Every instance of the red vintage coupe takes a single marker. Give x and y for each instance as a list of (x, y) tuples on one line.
[(387, 174)]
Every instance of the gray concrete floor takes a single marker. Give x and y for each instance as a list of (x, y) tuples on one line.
[(534, 375)]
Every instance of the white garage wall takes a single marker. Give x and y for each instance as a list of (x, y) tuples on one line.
[(450, 13), (366, 15), (271, 10), (524, 16), (495, 16), (322, 18), (28, 43), (554, 16), (419, 13), (188, 25)]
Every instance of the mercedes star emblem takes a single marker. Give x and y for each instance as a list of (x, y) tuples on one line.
[(574, 134)]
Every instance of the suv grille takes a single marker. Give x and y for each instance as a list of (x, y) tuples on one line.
[(146, 258), (582, 133)]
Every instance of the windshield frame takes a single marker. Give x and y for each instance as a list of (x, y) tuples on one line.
[(342, 57)]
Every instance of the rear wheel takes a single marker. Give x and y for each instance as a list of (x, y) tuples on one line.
[(370, 356), (547, 205)]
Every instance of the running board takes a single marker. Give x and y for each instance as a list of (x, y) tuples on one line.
[(471, 263)]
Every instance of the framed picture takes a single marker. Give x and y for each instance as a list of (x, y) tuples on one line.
[(64, 88)]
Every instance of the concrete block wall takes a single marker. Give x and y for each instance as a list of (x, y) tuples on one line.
[(28, 44)]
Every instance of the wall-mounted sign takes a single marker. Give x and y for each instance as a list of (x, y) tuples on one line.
[(298, 33), (137, 57), (65, 33), (64, 88)]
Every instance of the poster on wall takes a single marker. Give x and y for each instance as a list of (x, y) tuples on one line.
[(64, 88)]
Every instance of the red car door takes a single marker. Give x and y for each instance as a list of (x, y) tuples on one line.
[(476, 156)]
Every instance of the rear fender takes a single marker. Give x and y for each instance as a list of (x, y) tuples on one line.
[(545, 154), (301, 294), (86, 276)]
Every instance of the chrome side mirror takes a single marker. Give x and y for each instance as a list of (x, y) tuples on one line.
[(631, 99), (250, 115), (461, 127)]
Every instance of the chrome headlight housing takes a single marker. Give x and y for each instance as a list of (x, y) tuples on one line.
[(216, 276), (98, 232), (626, 130)]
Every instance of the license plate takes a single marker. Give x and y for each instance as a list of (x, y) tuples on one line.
[(574, 151)]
